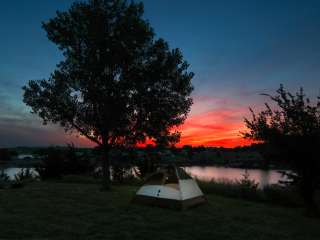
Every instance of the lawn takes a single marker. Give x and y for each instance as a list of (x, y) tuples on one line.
[(50, 210)]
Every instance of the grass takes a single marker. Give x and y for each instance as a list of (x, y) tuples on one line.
[(53, 210), (273, 194)]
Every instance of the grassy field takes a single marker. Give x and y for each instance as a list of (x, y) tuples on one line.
[(80, 211)]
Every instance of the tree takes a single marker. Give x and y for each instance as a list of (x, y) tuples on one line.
[(57, 161), (117, 85), (189, 151), (7, 154), (293, 129)]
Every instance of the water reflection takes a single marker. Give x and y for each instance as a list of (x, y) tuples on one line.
[(207, 173), (11, 172)]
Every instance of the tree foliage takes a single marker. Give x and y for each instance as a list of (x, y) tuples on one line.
[(117, 81), (57, 162), (7, 154), (118, 84), (293, 128)]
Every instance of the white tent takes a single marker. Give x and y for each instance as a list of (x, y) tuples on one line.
[(170, 187)]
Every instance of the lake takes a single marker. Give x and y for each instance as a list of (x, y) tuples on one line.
[(207, 173), (24, 156), (13, 171)]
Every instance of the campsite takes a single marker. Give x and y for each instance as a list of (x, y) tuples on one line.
[(79, 211), (137, 119)]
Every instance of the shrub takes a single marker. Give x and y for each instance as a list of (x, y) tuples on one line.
[(51, 165), (25, 175), (248, 183), (4, 179), (147, 163), (287, 196), (244, 188), (248, 187), (234, 189), (123, 174), (6, 154), (74, 163), (57, 162)]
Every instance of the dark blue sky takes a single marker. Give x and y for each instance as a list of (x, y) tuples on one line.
[(237, 49)]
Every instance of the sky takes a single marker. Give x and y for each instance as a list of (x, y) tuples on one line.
[(237, 49)]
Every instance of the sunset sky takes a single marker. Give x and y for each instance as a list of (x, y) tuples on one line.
[(236, 48)]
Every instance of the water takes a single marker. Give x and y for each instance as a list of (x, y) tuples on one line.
[(23, 156), (11, 172), (262, 177), (207, 173)]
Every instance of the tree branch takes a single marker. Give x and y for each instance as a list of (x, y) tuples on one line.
[(93, 139)]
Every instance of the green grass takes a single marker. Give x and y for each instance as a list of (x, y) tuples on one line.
[(273, 194), (51, 210)]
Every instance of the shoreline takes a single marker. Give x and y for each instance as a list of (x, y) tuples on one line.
[(30, 163)]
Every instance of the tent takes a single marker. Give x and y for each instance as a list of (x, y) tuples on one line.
[(170, 187)]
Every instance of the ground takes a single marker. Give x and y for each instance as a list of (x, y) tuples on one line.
[(80, 211)]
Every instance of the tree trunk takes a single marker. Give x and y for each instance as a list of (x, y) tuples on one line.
[(106, 167)]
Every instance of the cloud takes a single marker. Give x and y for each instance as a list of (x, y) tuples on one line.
[(16, 132), (18, 127), (214, 120), (219, 125)]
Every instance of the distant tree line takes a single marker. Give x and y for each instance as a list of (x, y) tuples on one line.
[(6, 154)]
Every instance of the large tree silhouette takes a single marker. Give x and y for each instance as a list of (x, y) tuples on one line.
[(117, 84), (293, 129)]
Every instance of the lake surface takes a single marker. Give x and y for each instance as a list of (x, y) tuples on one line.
[(11, 172), (207, 173), (23, 156)]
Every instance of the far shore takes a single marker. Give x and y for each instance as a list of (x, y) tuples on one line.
[(30, 163)]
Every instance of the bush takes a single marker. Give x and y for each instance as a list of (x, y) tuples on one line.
[(25, 175), (6, 154), (123, 174), (4, 179), (74, 163), (234, 189), (121, 160), (273, 194), (57, 162), (52, 164), (244, 188), (248, 188), (147, 163)]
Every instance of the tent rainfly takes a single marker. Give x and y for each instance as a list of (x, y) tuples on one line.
[(170, 187)]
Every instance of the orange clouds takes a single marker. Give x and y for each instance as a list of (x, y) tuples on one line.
[(220, 128), (213, 122)]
